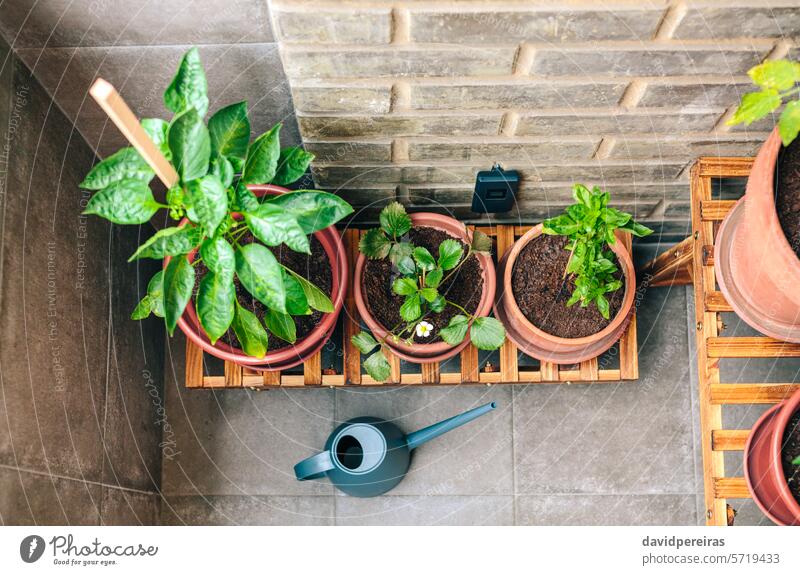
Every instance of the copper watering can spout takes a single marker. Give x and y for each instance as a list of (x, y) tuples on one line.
[(414, 440)]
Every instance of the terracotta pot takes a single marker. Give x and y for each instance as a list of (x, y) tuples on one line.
[(763, 468), (302, 349), (429, 352), (547, 347), (756, 268)]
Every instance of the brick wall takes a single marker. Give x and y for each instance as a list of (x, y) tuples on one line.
[(410, 99)]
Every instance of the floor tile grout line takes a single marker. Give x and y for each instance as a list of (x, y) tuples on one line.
[(31, 471)]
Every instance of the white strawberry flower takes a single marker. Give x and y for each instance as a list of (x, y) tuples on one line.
[(424, 329)]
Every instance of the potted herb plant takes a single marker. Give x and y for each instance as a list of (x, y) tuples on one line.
[(423, 283), (573, 258), (757, 246), (253, 273), (772, 462)]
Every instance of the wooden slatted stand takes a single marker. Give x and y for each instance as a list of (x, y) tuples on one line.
[(692, 261), (470, 372)]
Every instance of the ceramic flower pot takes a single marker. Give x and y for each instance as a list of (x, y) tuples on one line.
[(756, 268), (545, 346), (763, 467), (302, 349), (429, 352)]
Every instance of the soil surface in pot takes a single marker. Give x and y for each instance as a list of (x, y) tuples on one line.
[(787, 201), (464, 287), (542, 292), (790, 452), (315, 267)]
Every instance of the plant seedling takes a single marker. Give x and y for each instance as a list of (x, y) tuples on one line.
[(215, 163), (589, 225), (778, 82), (796, 460), (421, 274)]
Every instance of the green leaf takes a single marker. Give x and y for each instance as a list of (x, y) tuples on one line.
[(796, 461), (456, 330), (434, 278), (245, 199), (374, 244), (487, 333), (142, 309), (178, 287), (189, 145), (561, 225), (262, 158), (261, 275), (281, 325), (755, 106), (188, 88), (394, 220), (229, 129), (636, 229), (481, 243), (602, 305), (171, 241), (218, 256), (429, 294), (272, 225), (221, 167), (424, 259), (582, 195), (407, 267), (317, 299), (399, 251), (789, 124), (296, 302), (207, 202), (404, 286), (215, 304), (364, 341), (292, 164), (124, 202), (125, 164), (411, 308), (155, 291), (377, 366), (778, 74), (450, 252), (313, 209), (157, 129), (251, 334), (438, 304)]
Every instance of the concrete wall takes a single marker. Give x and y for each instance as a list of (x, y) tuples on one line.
[(412, 99), (80, 383)]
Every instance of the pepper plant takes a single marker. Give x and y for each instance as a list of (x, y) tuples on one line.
[(778, 80), (589, 225), (419, 277), (215, 163)]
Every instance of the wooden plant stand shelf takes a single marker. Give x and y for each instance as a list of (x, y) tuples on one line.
[(508, 370), (692, 261)]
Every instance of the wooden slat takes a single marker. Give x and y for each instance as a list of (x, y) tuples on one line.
[(430, 372), (469, 364), (509, 368), (394, 362), (628, 344), (312, 370), (233, 374), (715, 210), (751, 347), (352, 357), (549, 371), (715, 301), (708, 167), (729, 439), (708, 256), (730, 488), (271, 378), (673, 267), (194, 365), (761, 393), (589, 370)]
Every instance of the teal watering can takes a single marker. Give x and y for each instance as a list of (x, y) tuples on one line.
[(367, 456)]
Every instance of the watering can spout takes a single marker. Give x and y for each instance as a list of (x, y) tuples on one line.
[(414, 440)]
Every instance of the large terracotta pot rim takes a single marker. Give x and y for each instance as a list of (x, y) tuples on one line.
[(296, 353), (428, 352), (619, 319)]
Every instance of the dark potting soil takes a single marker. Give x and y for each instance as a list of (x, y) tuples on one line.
[(542, 292), (790, 452), (314, 267), (464, 287), (787, 200)]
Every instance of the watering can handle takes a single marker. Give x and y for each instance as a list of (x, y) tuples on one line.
[(314, 467)]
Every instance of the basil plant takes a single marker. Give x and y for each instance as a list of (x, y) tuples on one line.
[(215, 163)]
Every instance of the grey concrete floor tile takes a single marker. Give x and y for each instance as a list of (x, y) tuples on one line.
[(37, 499), (475, 459), (425, 510), (631, 437), (748, 514), (247, 510), (127, 507), (581, 509), (239, 441)]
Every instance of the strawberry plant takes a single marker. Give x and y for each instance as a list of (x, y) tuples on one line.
[(589, 225), (778, 81), (420, 275), (215, 163)]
